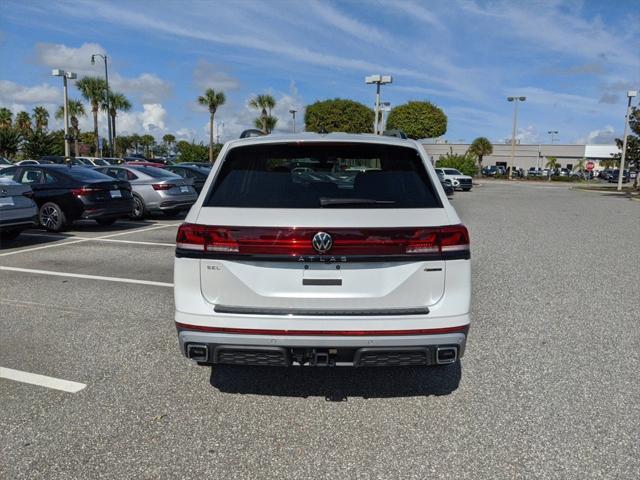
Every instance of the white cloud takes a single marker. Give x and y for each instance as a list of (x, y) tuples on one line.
[(147, 87), (151, 119), (207, 75), (11, 92), (604, 135), (78, 60)]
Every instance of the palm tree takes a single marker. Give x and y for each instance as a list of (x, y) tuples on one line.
[(212, 101), (552, 163), (93, 91), (75, 109), (41, 117), (147, 141), (135, 141), (23, 122), (266, 123), (168, 140), (579, 166), (117, 101), (264, 103), (5, 117), (480, 147)]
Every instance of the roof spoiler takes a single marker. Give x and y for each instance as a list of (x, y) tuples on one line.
[(252, 132)]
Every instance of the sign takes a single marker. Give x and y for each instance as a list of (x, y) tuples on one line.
[(590, 166)]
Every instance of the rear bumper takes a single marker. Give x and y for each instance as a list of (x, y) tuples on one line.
[(21, 223), (92, 211), (333, 350)]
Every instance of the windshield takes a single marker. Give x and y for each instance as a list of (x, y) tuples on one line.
[(452, 171), (154, 171), (323, 176)]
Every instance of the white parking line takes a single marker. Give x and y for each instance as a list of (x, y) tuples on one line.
[(41, 380), (88, 277), (135, 242), (88, 239)]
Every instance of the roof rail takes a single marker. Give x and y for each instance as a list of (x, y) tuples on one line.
[(252, 132), (395, 133)]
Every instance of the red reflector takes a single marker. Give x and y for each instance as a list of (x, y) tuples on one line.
[(162, 186), (344, 241), (334, 333)]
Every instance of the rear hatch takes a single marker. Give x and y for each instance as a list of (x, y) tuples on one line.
[(340, 228)]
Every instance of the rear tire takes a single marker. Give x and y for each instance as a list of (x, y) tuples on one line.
[(52, 218), (105, 222), (139, 209)]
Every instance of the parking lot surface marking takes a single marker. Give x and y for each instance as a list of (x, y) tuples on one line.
[(25, 250), (134, 242), (41, 380), (88, 277)]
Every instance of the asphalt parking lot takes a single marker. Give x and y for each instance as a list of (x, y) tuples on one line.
[(548, 387)]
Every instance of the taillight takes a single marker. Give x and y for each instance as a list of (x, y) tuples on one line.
[(345, 241), (162, 186), (84, 191)]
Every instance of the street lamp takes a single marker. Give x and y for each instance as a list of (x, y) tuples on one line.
[(630, 95), (106, 78), (516, 100), (293, 114), (378, 80), (65, 75), (384, 107), (552, 133)]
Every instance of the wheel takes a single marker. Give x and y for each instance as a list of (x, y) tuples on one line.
[(52, 217), (105, 222), (138, 208)]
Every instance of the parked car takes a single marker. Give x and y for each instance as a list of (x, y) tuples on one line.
[(18, 211), (493, 170), (615, 174), (198, 174), (446, 184), (534, 172), (275, 268), (52, 159), (113, 160), (196, 164), (93, 161), (163, 161), (5, 162), (66, 193), (458, 180), (144, 164), (154, 189), (33, 162)]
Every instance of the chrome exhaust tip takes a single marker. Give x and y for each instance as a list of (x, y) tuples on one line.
[(197, 352), (446, 355)]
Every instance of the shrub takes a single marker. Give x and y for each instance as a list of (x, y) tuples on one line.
[(195, 152), (418, 120), (338, 115), (466, 163)]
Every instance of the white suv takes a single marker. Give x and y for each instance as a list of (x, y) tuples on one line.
[(323, 250), (457, 179)]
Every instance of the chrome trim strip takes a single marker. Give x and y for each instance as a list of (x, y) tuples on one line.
[(320, 313)]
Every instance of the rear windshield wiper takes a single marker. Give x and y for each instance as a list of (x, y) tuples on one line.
[(341, 202)]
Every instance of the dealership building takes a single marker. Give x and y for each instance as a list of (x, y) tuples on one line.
[(527, 156)]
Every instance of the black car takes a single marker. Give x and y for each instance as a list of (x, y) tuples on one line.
[(198, 174), (67, 193)]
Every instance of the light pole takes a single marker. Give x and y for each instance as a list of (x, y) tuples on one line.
[(65, 76), (552, 133), (378, 80), (293, 114), (384, 107), (106, 78), (513, 131), (630, 95)]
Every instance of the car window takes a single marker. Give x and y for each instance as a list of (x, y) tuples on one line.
[(341, 175), (120, 174), (8, 172), (131, 175), (452, 171), (30, 176), (49, 178)]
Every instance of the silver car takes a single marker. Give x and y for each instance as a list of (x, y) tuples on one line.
[(154, 189), (17, 210)]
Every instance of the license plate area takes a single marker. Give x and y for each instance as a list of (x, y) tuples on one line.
[(116, 194), (184, 189)]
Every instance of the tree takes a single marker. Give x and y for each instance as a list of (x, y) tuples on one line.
[(579, 166), (418, 120), (10, 139), (41, 118), (38, 143), (552, 163), (93, 90), (632, 155), (194, 152), (212, 100), (338, 115), (75, 109), (466, 163), (117, 102), (266, 124), (147, 141), (6, 117), (123, 143), (168, 140), (23, 122), (264, 103), (135, 141), (480, 147)]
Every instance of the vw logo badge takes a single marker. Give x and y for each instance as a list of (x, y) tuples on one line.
[(322, 242)]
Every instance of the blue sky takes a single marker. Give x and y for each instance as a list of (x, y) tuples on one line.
[(573, 60)]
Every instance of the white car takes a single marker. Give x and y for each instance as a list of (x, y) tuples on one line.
[(458, 179), (334, 265)]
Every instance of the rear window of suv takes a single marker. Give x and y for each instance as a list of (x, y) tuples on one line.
[(324, 175)]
